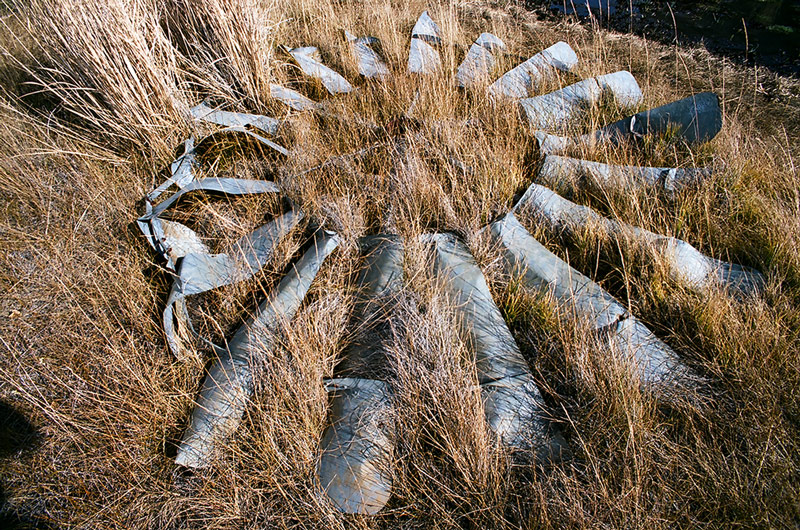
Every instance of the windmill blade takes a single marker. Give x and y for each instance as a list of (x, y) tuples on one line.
[(656, 365), (561, 109), (370, 65), (308, 59), (423, 56), (560, 171), (513, 406), (380, 282), (355, 469), (695, 119), (686, 265), (229, 384), (479, 62), (518, 82)]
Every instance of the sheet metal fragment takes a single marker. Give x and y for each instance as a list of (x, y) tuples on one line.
[(423, 56), (203, 112), (197, 270), (478, 64), (198, 273), (291, 98), (181, 171), (153, 227), (694, 119), (180, 240), (239, 129), (229, 383), (686, 265), (513, 406), (560, 110), (355, 469), (379, 284), (560, 171), (518, 82), (370, 64), (581, 299), (308, 60)]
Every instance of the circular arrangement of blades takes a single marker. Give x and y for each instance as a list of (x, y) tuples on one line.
[(355, 466)]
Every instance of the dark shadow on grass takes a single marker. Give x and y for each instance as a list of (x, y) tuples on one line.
[(17, 435)]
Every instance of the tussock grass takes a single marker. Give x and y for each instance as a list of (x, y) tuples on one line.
[(94, 96)]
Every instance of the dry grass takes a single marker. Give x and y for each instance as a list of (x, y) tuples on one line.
[(92, 112)]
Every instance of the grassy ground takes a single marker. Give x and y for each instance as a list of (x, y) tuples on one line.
[(91, 113)]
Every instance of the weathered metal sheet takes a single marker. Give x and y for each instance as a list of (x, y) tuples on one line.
[(694, 119), (379, 283), (513, 406), (181, 172), (290, 98), (242, 130), (228, 386), (478, 63), (196, 269), (152, 226), (423, 56), (370, 64), (355, 469), (203, 112), (198, 273), (560, 171), (180, 240), (579, 298), (561, 109), (686, 265), (518, 82), (309, 62)]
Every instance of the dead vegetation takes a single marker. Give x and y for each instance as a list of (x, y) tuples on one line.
[(93, 104)]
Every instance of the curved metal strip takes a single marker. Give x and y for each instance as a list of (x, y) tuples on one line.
[(518, 82), (423, 57), (695, 119), (478, 63), (686, 265), (228, 186), (559, 110), (239, 129), (513, 406), (181, 171), (228, 386), (579, 298), (203, 112)]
